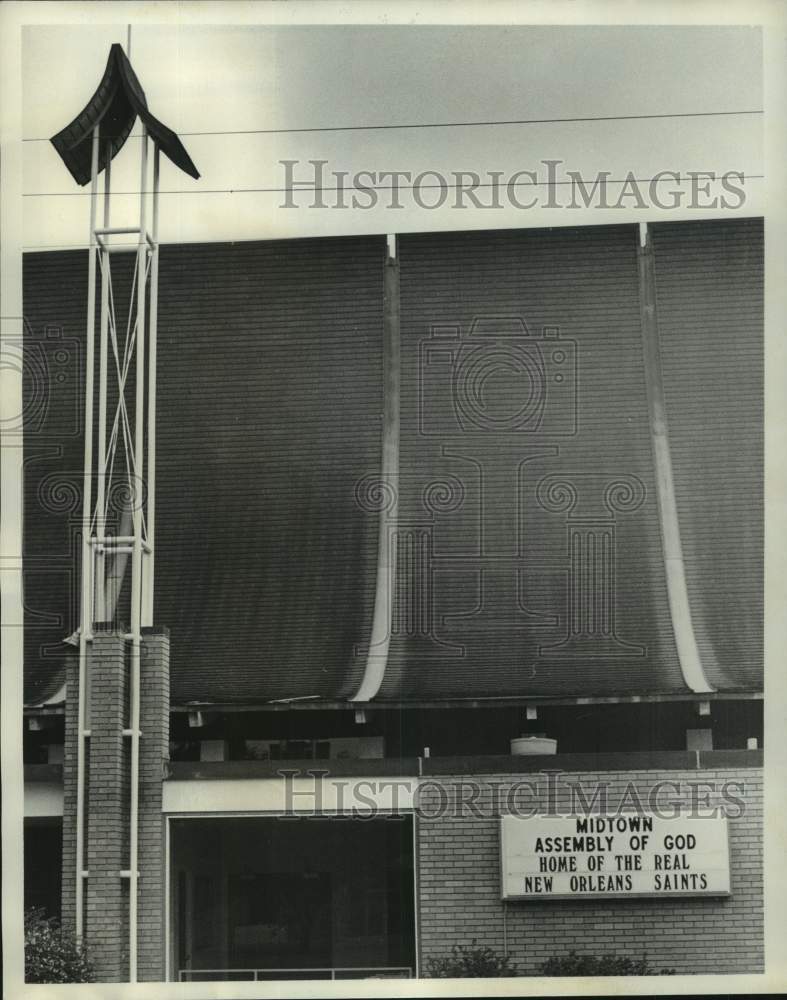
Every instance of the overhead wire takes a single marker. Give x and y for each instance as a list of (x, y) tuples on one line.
[(460, 124)]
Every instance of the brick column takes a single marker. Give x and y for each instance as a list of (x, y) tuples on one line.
[(107, 799), (107, 803), (68, 892), (105, 898), (153, 755)]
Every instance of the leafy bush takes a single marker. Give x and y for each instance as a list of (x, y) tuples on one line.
[(470, 962), (51, 954), (599, 965)]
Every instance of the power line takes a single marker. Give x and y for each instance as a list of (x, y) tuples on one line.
[(479, 124), (346, 189)]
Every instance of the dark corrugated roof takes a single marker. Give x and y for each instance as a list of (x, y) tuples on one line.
[(269, 396), (117, 102), (270, 390), (710, 300), (497, 625)]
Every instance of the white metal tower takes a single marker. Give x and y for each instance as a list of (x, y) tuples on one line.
[(120, 414)]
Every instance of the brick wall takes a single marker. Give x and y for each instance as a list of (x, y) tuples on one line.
[(458, 864)]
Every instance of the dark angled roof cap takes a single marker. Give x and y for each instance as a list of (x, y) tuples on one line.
[(115, 105)]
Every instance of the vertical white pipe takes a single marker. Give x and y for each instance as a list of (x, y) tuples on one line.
[(416, 894), (675, 570), (87, 549), (150, 556), (382, 618), (136, 564), (102, 402), (168, 951)]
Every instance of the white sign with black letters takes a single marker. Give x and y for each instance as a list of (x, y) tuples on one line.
[(568, 857)]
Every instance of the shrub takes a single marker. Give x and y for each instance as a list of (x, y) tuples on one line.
[(470, 962), (51, 954), (599, 965)]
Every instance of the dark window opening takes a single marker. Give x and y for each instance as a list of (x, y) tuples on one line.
[(258, 895), (43, 846)]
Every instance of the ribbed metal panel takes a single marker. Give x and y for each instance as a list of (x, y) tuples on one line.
[(269, 391), (513, 570), (709, 279), (270, 397), (55, 293)]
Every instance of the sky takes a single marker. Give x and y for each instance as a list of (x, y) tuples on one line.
[(238, 79)]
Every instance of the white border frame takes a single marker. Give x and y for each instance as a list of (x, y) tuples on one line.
[(769, 13)]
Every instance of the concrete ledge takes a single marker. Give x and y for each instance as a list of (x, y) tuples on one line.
[(710, 759), (507, 701), (273, 795), (245, 769), (657, 760), (660, 760)]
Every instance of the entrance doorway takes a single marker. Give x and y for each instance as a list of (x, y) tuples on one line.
[(284, 898)]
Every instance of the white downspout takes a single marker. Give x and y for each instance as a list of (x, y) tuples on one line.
[(377, 657), (677, 590)]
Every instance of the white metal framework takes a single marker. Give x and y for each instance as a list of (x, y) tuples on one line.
[(120, 462)]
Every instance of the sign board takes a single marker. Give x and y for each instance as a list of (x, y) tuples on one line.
[(626, 855)]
